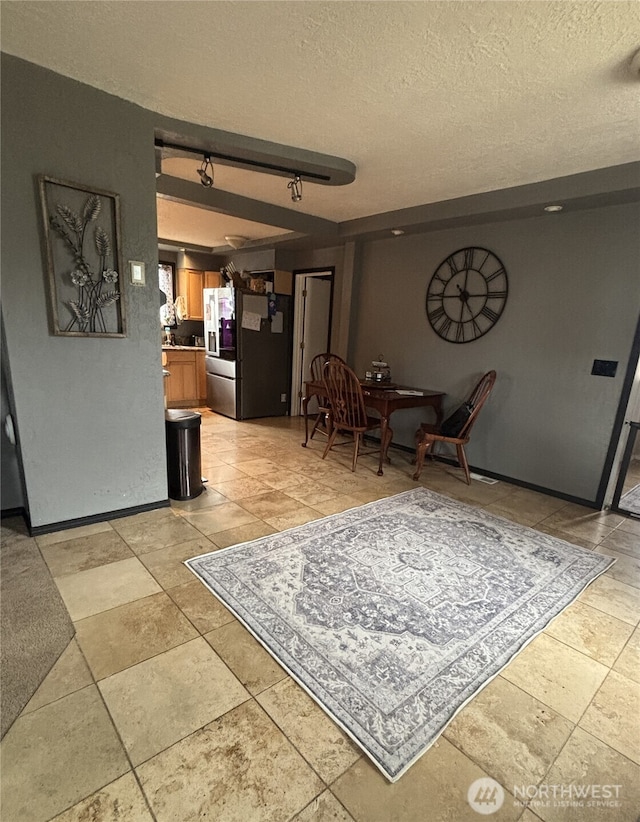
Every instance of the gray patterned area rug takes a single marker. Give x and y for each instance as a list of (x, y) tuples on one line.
[(631, 501), (393, 615)]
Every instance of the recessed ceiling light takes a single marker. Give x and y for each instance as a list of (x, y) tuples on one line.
[(553, 208), (397, 231)]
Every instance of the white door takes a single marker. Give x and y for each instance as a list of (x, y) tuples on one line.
[(311, 329)]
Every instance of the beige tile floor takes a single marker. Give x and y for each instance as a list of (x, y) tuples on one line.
[(163, 707)]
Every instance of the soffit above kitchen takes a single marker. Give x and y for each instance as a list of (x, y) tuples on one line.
[(430, 100)]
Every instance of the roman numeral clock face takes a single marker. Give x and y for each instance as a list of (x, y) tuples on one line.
[(467, 295)]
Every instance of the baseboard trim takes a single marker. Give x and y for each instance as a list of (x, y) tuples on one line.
[(38, 530), (550, 492), (529, 485), (13, 512)]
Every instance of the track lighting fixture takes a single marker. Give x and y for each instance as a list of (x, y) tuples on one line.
[(295, 187), (206, 179), (205, 171)]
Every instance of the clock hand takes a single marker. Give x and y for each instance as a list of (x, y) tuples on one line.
[(462, 305), (463, 295)]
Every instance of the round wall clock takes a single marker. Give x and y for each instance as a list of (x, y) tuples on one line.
[(467, 295)]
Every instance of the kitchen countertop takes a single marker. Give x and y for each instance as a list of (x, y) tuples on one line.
[(183, 347)]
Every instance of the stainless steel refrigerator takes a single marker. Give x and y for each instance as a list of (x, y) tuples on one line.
[(248, 352)]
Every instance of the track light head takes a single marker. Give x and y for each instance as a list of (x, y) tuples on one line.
[(295, 186), (206, 179)]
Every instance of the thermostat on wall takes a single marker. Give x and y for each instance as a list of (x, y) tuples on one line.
[(604, 368)]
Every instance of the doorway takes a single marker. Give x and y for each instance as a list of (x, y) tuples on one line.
[(311, 328), (626, 491), (626, 498), (622, 492)]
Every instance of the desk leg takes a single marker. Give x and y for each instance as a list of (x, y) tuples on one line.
[(437, 407), (384, 427), (305, 405)]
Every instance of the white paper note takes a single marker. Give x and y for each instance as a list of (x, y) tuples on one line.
[(251, 320), (277, 323), (256, 303)]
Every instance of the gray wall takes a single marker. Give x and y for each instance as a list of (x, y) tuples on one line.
[(89, 411), (343, 260), (574, 296), (195, 260)]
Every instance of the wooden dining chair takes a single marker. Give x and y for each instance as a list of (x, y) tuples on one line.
[(348, 413), (322, 421), (456, 429)]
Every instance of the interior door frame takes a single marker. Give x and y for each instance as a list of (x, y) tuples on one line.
[(627, 456), (299, 277), (627, 410)]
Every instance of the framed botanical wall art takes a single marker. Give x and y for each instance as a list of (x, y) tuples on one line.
[(85, 274)]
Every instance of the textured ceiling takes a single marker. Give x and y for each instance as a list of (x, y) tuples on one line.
[(430, 100)]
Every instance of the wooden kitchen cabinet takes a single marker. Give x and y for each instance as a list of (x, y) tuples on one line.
[(182, 383), (187, 384), (190, 285), (201, 377), (212, 279)]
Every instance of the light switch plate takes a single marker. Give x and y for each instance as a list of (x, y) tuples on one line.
[(604, 368), (136, 272)]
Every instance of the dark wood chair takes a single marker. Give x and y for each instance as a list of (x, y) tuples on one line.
[(428, 435), (322, 421), (348, 413)]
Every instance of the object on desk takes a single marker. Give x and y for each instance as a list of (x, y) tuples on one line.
[(409, 392), (378, 386), (380, 370)]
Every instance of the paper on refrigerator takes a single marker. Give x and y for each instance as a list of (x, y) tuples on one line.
[(256, 304), (277, 323), (251, 320)]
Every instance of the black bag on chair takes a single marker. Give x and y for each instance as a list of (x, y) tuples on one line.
[(454, 423)]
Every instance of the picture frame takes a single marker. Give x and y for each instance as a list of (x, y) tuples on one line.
[(85, 282)]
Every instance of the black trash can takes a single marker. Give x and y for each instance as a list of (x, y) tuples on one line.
[(182, 429)]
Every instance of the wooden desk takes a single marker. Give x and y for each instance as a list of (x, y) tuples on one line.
[(384, 401)]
